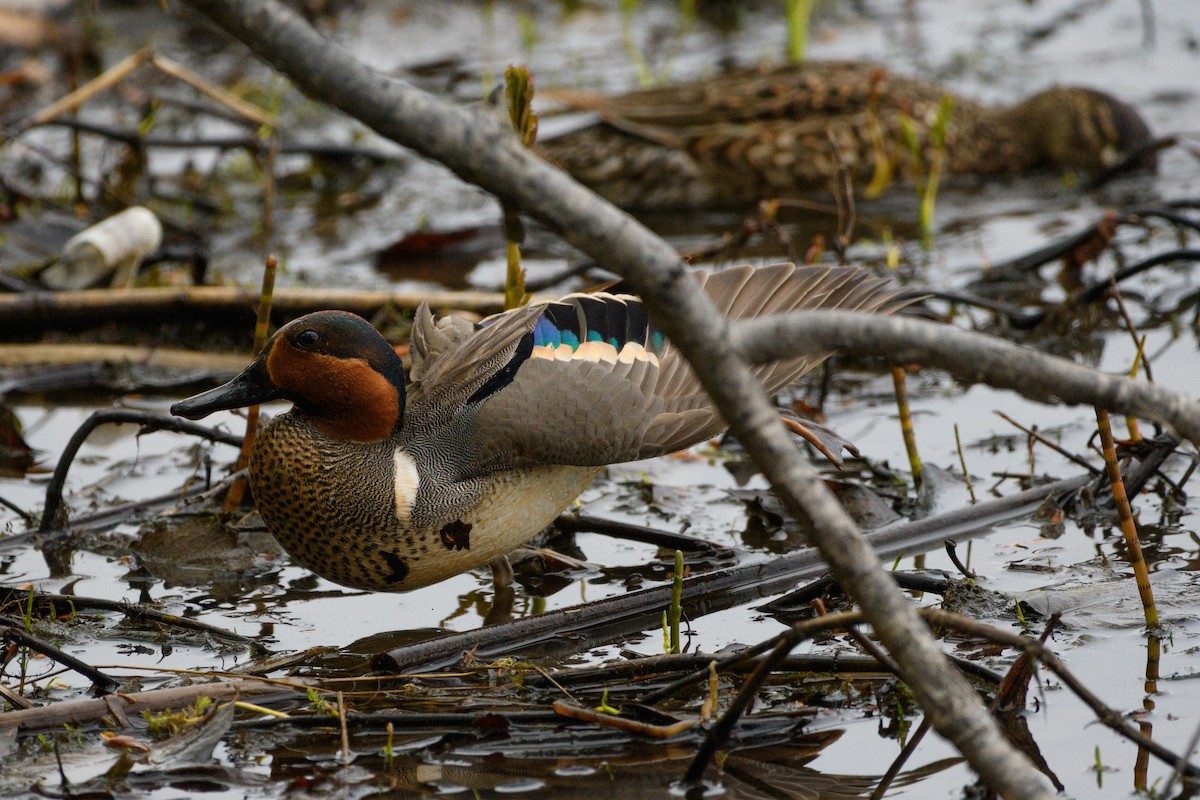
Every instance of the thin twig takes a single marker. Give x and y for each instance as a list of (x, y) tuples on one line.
[(962, 460), (623, 723), (253, 144), (341, 709), (973, 356), (14, 632), (575, 523), (71, 101), (233, 500), (1108, 716), (205, 86), (1038, 437), (906, 752), (952, 554)]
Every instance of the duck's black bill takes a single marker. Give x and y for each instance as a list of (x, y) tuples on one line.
[(249, 388)]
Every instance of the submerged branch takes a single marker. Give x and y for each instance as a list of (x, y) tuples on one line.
[(120, 707), (702, 594), (12, 630)]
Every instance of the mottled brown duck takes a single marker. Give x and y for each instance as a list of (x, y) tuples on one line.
[(769, 131), (386, 485)]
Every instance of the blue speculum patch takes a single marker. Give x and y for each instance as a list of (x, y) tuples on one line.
[(596, 318), (545, 334)]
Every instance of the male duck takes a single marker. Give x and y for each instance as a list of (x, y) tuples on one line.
[(382, 486), (766, 132)]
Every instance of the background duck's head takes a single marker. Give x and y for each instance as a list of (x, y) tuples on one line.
[(1084, 129), (341, 374)]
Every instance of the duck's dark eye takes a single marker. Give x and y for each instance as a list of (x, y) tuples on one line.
[(308, 339)]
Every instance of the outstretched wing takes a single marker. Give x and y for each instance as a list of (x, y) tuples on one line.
[(597, 383)]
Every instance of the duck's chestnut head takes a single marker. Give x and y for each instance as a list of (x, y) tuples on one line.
[(340, 373)]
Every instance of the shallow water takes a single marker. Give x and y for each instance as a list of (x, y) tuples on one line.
[(983, 52)]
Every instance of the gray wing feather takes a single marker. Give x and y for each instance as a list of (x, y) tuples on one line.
[(743, 292), (590, 413), (582, 413), (431, 338)]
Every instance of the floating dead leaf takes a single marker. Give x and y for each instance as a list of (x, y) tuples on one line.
[(122, 741)]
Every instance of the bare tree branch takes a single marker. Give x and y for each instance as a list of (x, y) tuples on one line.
[(973, 357)]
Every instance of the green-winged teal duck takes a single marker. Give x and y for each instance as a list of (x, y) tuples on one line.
[(766, 132), (376, 484)]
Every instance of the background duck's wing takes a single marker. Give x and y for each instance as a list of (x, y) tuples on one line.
[(600, 385), (814, 89)]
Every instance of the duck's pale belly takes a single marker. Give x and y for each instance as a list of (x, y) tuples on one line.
[(378, 555)]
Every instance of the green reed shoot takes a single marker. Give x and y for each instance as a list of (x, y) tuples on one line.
[(926, 177), (1131, 423), (687, 14), (900, 382), (604, 707), (640, 66), (518, 95), (937, 162), (799, 15), (885, 167)]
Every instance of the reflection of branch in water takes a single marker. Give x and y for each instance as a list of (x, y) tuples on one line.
[(54, 490)]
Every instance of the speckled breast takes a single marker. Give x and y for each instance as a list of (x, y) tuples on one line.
[(331, 505)]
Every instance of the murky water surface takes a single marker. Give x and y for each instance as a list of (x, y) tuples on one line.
[(987, 50)]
